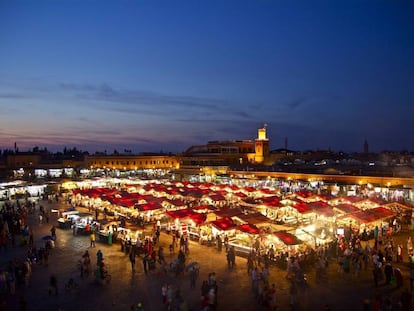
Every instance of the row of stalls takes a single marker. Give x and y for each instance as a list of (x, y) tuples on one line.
[(107, 230), (250, 218)]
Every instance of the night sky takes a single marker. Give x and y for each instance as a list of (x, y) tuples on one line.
[(164, 75)]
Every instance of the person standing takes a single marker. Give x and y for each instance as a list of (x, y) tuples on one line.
[(53, 233), (31, 237), (388, 271), (193, 277), (376, 273), (399, 253), (164, 289), (81, 267), (92, 237), (145, 263), (409, 244), (231, 257), (161, 258), (132, 259), (219, 243), (53, 284), (293, 294), (86, 261)]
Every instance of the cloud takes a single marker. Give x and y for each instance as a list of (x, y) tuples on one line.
[(12, 96), (147, 102), (296, 103)]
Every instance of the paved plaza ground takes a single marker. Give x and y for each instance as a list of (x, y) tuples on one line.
[(127, 287)]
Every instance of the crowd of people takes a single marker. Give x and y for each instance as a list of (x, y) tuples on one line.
[(16, 232)]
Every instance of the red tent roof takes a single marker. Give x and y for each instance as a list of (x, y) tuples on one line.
[(272, 201), (372, 215), (198, 218), (249, 189), (248, 228), (217, 197), (177, 202), (322, 208), (347, 208), (230, 212), (302, 207), (304, 194), (150, 206), (224, 224), (254, 218), (287, 238), (352, 198), (240, 195), (204, 207)]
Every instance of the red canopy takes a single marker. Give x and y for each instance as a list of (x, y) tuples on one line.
[(347, 208), (224, 224), (303, 207), (217, 197), (198, 218), (272, 201), (287, 238), (249, 228), (322, 208), (372, 215), (150, 206)]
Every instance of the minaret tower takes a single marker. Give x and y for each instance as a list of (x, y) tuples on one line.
[(261, 145), (366, 146)]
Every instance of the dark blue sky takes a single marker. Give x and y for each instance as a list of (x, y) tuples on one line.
[(164, 75)]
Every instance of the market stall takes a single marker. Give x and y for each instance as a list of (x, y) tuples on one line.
[(84, 223), (244, 238), (114, 233), (65, 219), (367, 220), (285, 244)]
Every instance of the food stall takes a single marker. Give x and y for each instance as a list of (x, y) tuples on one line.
[(127, 235), (283, 242), (65, 219), (108, 232), (84, 223), (186, 221), (367, 220), (244, 238)]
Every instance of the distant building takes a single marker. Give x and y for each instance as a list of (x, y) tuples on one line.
[(25, 160), (233, 152), (131, 162)]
